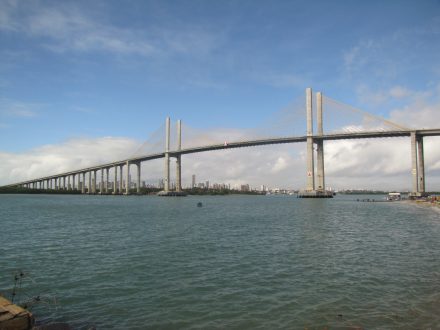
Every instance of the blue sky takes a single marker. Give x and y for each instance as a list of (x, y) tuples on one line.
[(92, 69)]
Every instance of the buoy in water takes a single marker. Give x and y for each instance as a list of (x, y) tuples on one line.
[(199, 204)]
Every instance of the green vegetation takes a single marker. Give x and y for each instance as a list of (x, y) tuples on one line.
[(22, 190), (143, 191), (213, 192), (146, 191), (362, 192)]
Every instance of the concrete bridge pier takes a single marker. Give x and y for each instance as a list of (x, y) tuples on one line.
[(89, 187), (311, 191), (115, 174), (421, 163), (127, 181), (120, 178), (94, 181), (138, 181), (107, 170), (83, 186), (310, 155), (320, 144), (417, 165), (167, 156), (178, 191), (101, 183), (179, 157)]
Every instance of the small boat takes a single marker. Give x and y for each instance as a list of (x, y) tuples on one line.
[(394, 196)]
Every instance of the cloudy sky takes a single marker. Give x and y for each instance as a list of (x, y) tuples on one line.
[(84, 82)]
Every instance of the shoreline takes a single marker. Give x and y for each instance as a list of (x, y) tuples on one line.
[(434, 204)]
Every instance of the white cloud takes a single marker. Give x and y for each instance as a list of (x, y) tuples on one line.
[(422, 109), (65, 27), (19, 109), (6, 10), (375, 163), (70, 155), (68, 28), (399, 92), (371, 163)]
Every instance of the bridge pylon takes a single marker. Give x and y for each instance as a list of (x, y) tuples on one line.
[(167, 154), (311, 190), (417, 165)]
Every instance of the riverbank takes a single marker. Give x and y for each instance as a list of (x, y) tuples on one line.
[(433, 201)]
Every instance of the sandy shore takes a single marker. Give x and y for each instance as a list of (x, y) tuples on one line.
[(425, 203)]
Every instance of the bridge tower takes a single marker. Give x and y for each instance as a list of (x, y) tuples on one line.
[(417, 165), (320, 144), (311, 190), (178, 156), (310, 155)]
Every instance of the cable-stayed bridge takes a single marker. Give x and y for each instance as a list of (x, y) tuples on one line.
[(86, 179)]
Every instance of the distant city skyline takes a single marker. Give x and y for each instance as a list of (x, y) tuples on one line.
[(83, 83)]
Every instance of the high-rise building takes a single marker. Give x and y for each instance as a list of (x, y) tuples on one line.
[(193, 183), (244, 187)]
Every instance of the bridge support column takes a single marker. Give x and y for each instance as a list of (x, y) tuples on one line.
[(94, 180), (120, 178), (311, 191), (69, 187), (179, 157), (127, 182), (73, 182), (421, 164), (101, 184), (310, 155), (414, 165), (167, 155), (107, 172), (89, 187), (115, 180), (138, 183), (83, 185), (320, 144), (178, 173)]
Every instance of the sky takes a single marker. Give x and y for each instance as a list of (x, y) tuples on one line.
[(84, 82)]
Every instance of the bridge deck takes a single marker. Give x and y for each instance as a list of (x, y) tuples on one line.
[(243, 144)]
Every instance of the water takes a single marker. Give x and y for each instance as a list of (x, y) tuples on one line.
[(241, 262)]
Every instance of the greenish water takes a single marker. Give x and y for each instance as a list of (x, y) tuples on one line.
[(242, 262)]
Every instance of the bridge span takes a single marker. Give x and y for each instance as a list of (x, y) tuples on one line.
[(315, 183)]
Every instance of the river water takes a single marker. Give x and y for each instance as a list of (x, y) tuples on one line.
[(243, 262)]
